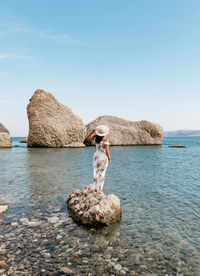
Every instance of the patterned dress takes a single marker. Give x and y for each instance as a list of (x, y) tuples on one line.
[(100, 163)]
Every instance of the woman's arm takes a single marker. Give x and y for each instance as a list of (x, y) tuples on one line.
[(90, 137), (108, 153), (107, 150)]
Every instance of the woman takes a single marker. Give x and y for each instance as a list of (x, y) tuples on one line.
[(101, 157)]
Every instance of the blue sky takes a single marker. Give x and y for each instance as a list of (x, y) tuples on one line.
[(132, 59)]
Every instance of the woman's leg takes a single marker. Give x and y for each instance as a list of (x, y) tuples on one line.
[(101, 183), (101, 178), (94, 186), (97, 180)]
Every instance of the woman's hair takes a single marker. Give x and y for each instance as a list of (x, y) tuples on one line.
[(98, 138)]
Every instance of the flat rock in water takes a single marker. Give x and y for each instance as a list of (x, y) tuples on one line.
[(176, 146), (93, 209)]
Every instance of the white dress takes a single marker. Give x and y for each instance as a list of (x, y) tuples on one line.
[(100, 164)]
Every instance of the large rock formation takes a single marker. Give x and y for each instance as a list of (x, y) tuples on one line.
[(125, 133), (5, 139), (93, 209), (52, 124)]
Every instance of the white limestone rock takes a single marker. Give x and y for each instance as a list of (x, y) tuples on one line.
[(5, 139), (127, 133), (52, 124), (93, 209)]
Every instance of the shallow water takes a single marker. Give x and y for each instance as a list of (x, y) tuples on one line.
[(159, 189)]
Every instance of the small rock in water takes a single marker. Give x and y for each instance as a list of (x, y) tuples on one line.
[(91, 208), (66, 270), (47, 255), (33, 223), (3, 264), (14, 224), (23, 220), (176, 146), (53, 219), (117, 267), (133, 273), (3, 208), (2, 272)]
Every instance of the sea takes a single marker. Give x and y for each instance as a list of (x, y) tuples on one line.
[(159, 191)]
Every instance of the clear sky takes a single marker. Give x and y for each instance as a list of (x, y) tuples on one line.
[(135, 59)]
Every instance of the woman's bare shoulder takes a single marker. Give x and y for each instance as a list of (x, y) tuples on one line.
[(105, 141)]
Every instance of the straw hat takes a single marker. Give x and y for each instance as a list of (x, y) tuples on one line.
[(102, 130)]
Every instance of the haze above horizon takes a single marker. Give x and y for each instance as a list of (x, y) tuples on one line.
[(138, 60)]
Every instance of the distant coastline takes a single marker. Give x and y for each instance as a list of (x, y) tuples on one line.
[(182, 133)]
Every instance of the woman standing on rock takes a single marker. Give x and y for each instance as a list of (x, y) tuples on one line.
[(101, 157)]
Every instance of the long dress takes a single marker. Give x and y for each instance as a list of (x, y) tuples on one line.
[(100, 164)]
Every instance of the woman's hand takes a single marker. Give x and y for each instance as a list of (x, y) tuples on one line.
[(109, 161), (90, 137)]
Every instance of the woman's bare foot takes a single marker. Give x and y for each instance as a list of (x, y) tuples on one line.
[(101, 192)]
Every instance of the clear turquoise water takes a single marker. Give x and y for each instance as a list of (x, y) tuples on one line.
[(159, 189)]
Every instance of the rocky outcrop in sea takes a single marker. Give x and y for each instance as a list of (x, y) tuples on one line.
[(127, 133), (5, 139), (52, 124), (23, 140), (93, 209), (176, 146)]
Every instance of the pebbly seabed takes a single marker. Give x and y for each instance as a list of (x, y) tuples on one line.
[(50, 243)]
